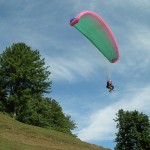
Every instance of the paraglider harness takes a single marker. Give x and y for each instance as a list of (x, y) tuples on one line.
[(110, 86)]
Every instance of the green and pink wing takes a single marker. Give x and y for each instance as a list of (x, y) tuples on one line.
[(94, 28)]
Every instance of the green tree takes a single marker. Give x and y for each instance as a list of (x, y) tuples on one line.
[(23, 83), (2, 95), (23, 73), (134, 131), (46, 112), (58, 120)]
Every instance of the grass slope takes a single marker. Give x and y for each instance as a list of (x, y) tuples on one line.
[(18, 136)]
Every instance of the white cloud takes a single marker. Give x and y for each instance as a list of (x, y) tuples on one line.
[(72, 67), (134, 49), (101, 125)]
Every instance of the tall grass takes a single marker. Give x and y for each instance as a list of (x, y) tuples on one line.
[(18, 136)]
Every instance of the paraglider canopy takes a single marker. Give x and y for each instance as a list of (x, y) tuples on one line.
[(93, 27)]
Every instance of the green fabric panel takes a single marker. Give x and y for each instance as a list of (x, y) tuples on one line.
[(95, 32)]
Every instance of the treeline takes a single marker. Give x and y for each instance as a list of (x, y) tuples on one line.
[(24, 79)]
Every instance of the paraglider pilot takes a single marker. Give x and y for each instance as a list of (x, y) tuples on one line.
[(110, 86)]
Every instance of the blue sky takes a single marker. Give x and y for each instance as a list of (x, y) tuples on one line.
[(78, 70)]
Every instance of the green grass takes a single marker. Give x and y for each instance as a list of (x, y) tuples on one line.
[(15, 135)]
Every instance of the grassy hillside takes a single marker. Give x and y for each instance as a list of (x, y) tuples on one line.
[(18, 136)]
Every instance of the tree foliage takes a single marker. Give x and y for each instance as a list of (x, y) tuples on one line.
[(22, 72), (134, 131), (24, 80)]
